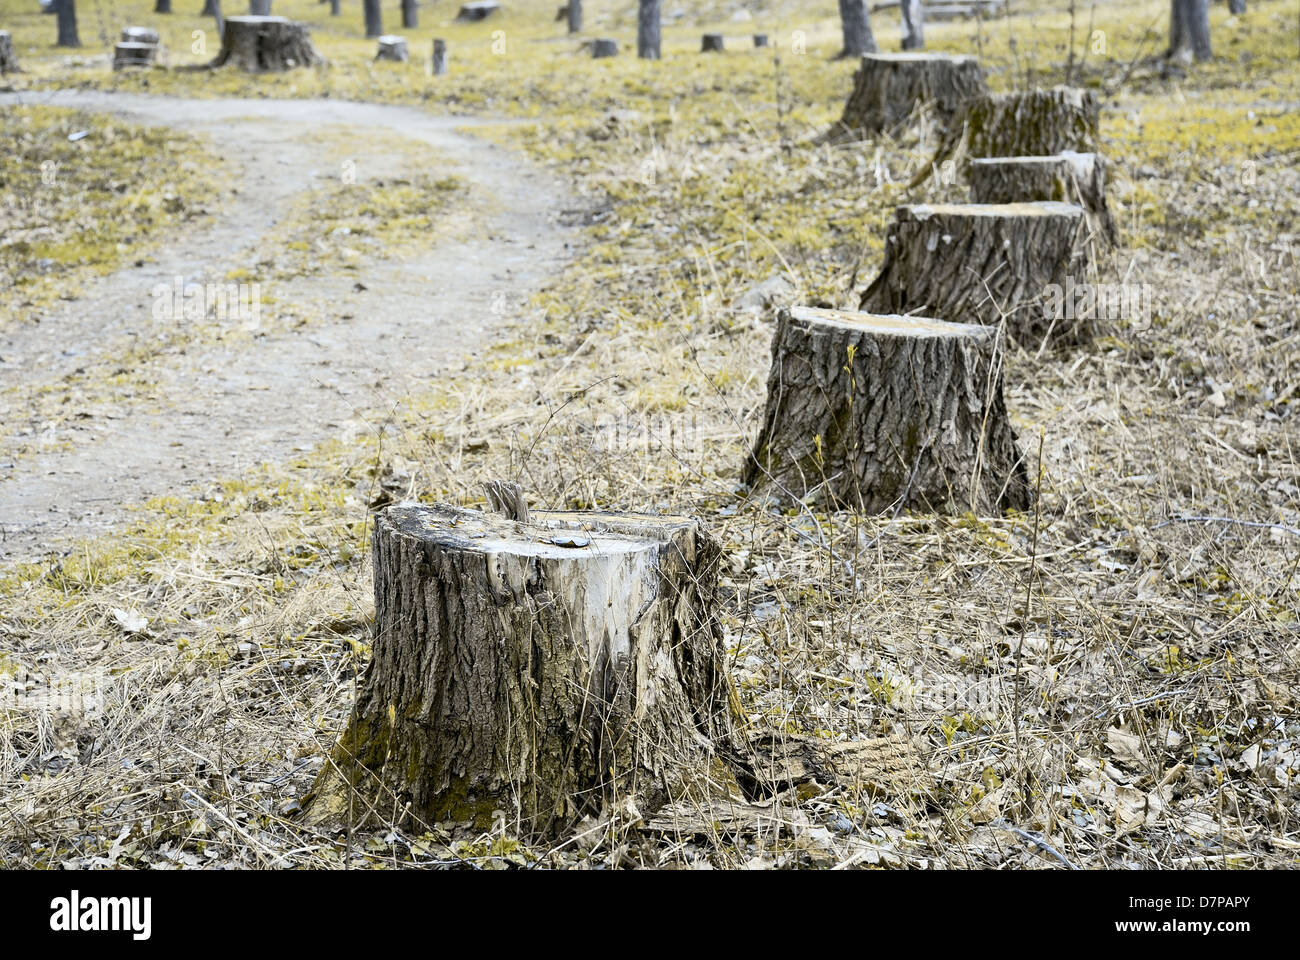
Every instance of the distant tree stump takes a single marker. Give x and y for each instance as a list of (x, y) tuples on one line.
[(393, 48), (8, 59), (978, 263), (259, 44), (139, 35), (711, 43), (760, 40), (604, 47), (1038, 123), (881, 413), (479, 10), (134, 55), (439, 63), (1078, 178), (889, 87), (259, 8), (547, 667)]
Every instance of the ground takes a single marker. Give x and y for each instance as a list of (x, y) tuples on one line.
[(1106, 680)]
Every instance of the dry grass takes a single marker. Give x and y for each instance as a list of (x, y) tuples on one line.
[(1107, 681)]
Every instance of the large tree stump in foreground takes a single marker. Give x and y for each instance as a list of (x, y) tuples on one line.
[(1037, 123), (258, 44), (979, 263), (889, 87), (549, 668), (1078, 178), (881, 413), (8, 60)]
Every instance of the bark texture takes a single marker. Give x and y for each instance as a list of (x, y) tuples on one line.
[(258, 44), (66, 11), (393, 48), (913, 25), (439, 66), (8, 60), (882, 413), (889, 87), (647, 29), (1038, 123), (133, 55), (551, 669), (162, 6), (978, 263), (1189, 30), (711, 43), (855, 25), (1078, 178)]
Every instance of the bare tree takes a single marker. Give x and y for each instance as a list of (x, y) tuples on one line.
[(1189, 30), (857, 29), (67, 13), (647, 30)]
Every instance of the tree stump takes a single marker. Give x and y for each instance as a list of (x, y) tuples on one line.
[(410, 14), (8, 59), (573, 13), (647, 29), (889, 87), (393, 48), (139, 35), (439, 64), (373, 14), (259, 44), (133, 55), (711, 43), (1038, 123), (479, 10), (259, 8), (162, 6), (760, 40), (1078, 178), (1189, 31), (978, 263), (883, 413), (549, 667), (604, 47)]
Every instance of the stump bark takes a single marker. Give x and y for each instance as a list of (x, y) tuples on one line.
[(604, 47), (1189, 31), (711, 43), (8, 59), (439, 64), (889, 87), (133, 55), (479, 10), (1037, 123), (979, 263), (258, 44), (393, 48), (883, 413), (1078, 178), (565, 665)]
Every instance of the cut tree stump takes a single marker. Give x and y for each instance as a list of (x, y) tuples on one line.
[(134, 55), (480, 10), (882, 413), (139, 35), (604, 47), (711, 43), (259, 44), (551, 667), (393, 48), (439, 63), (760, 40), (888, 88), (979, 263), (1037, 123), (1078, 178), (8, 59)]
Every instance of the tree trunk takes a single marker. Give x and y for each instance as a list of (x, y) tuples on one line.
[(1236, 7), (162, 6), (258, 44), (565, 665), (889, 87), (574, 14), (335, 8), (1189, 31), (711, 43), (439, 65), (393, 48), (374, 18), (8, 59), (979, 263), (647, 29), (884, 413), (1078, 178), (259, 8), (209, 8), (856, 27), (221, 21), (67, 23), (913, 25), (1039, 123), (604, 47), (133, 54), (410, 14)]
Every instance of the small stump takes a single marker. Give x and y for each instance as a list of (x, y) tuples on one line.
[(8, 59), (439, 63), (393, 48), (480, 10), (711, 43), (604, 47), (760, 39), (259, 44), (879, 413), (139, 35), (551, 668), (133, 55), (1078, 178), (1038, 123), (889, 87), (979, 263)]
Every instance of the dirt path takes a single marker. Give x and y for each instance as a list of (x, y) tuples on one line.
[(215, 409)]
